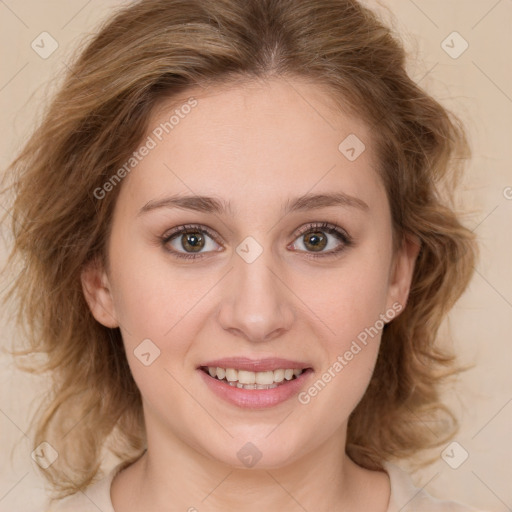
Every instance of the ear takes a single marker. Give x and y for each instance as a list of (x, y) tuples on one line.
[(97, 292), (402, 269)]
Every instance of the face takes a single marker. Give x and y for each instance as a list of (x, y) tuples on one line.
[(288, 266)]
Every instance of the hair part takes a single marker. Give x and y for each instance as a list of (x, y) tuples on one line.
[(158, 49)]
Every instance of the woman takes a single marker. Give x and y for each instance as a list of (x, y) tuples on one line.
[(238, 255)]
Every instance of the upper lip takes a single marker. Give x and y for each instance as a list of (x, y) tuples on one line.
[(256, 365)]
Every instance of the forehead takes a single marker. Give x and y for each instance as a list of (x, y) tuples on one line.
[(263, 140)]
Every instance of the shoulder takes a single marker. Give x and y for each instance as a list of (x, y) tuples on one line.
[(406, 497), (95, 497)]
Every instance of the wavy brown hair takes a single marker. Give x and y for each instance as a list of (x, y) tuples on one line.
[(156, 49)]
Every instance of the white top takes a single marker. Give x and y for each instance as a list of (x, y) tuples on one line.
[(405, 497)]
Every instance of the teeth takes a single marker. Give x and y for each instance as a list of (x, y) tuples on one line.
[(264, 377), (253, 380), (278, 375), (245, 377), (251, 386), (263, 386), (231, 375)]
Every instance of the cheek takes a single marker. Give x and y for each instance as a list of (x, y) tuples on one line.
[(151, 296), (348, 305), (347, 299), (158, 312), (351, 312)]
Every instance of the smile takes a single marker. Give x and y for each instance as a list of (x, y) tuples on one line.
[(255, 390), (245, 379)]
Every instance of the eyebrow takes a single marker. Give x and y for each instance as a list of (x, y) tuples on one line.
[(208, 204)]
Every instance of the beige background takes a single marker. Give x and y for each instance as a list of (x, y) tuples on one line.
[(476, 85)]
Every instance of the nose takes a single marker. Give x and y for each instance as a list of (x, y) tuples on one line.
[(256, 303)]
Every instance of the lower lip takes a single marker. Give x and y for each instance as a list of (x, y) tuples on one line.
[(256, 398)]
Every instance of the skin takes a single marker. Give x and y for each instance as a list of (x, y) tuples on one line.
[(256, 145)]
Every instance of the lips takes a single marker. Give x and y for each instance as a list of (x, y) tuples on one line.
[(271, 375)]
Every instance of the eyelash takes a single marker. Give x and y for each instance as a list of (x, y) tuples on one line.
[(332, 229)]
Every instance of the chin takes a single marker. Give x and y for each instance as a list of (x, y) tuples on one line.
[(257, 451)]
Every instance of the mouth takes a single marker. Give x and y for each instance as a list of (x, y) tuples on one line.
[(246, 379), (255, 383)]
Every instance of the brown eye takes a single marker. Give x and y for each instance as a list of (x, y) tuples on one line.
[(189, 242), (316, 238), (315, 241), (192, 241)]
